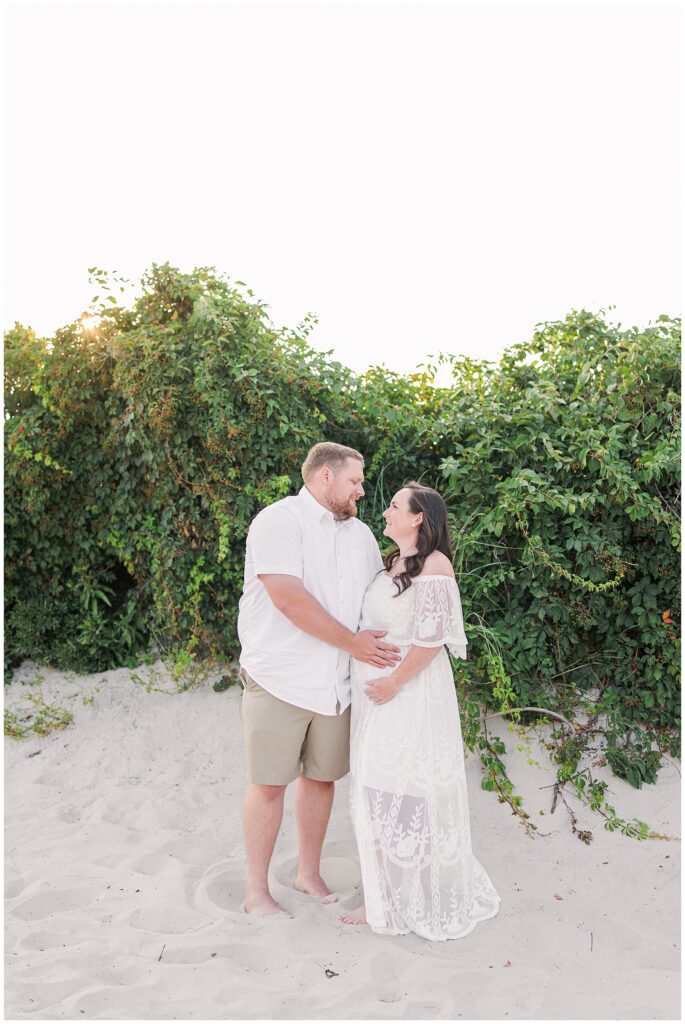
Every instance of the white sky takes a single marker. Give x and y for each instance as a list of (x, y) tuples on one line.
[(423, 177)]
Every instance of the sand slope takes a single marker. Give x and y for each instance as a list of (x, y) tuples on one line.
[(125, 878)]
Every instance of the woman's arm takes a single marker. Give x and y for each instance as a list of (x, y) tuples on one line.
[(380, 691)]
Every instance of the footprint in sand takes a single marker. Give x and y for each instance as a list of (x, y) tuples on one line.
[(47, 940), (110, 860), (257, 959), (45, 904), (222, 887), (53, 779), (89, 1005), (143, 1001), (198, 851), (421, 1011), (622, 937), (69, 815), (14, 884), (171, 919), (158, 864), (386, 977), (33, 999)]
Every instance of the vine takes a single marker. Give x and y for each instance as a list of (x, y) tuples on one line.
[(141, 441)]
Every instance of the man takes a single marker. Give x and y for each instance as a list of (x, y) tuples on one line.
[(308, 562)]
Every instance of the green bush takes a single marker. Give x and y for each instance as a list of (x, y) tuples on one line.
[(137, 453), (565, 482), (136, 456)]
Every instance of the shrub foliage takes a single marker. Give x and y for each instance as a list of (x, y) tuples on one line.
[(137, 452)]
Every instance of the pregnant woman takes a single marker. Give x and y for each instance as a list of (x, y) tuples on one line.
[(408, 793)]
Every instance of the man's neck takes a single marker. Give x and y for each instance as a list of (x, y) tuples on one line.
[(318, 498)]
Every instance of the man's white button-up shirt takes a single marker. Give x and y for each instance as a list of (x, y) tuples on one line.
[(336, 560)]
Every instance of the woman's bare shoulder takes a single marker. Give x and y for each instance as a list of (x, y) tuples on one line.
[(437, 564)]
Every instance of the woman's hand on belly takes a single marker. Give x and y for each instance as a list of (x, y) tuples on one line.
[(380, 691)]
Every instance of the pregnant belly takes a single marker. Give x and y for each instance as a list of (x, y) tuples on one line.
[(361, 672)]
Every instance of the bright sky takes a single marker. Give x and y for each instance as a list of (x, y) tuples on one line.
[(425, 178)]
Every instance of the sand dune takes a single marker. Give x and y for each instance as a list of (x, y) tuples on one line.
[(124, 882)]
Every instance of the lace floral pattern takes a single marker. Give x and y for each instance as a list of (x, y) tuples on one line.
[(438, 618), (408, 793)]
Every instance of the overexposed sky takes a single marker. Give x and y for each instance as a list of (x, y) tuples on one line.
[(424, 178)]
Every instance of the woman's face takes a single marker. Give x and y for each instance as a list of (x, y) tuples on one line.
[(401, 524)]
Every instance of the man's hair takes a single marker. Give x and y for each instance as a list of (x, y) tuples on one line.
[(328, 453)]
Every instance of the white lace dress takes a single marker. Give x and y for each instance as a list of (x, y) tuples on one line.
[(408, 795)]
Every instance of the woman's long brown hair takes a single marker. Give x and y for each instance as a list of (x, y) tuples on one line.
[(434, 534)]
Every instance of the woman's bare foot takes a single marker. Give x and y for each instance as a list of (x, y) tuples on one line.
[(262, 905), (357, 916), (315, 887)]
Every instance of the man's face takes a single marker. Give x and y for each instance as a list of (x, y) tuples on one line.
[(345, 489)]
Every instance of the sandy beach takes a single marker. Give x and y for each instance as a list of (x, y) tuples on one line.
[(124, 882)]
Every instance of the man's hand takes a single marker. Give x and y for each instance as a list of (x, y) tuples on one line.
[(380, 691), (367, 647), (293, 600)]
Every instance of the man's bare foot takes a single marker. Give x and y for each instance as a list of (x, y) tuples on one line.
[(357, 916), (263, 905), (315, 887)]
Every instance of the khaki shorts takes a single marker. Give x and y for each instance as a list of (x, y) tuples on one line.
[(283, 741)]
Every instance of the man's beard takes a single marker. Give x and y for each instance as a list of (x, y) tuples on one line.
[(342, 510)]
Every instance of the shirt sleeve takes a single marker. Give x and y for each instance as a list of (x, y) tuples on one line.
[(275, 541), (438, 617)]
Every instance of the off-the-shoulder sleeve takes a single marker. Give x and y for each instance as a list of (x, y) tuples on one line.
[(438, 618)]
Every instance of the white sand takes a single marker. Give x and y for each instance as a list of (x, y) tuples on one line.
[(124, 840)]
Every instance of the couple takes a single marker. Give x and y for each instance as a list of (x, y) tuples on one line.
[(344, 668)]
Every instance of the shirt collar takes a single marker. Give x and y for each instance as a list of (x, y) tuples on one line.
[(315, 509)]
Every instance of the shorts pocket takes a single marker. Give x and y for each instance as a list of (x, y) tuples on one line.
[(248, 683)]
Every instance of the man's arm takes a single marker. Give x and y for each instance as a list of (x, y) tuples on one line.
[(293, 600)]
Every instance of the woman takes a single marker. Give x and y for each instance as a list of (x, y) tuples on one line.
[(408, 787)]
